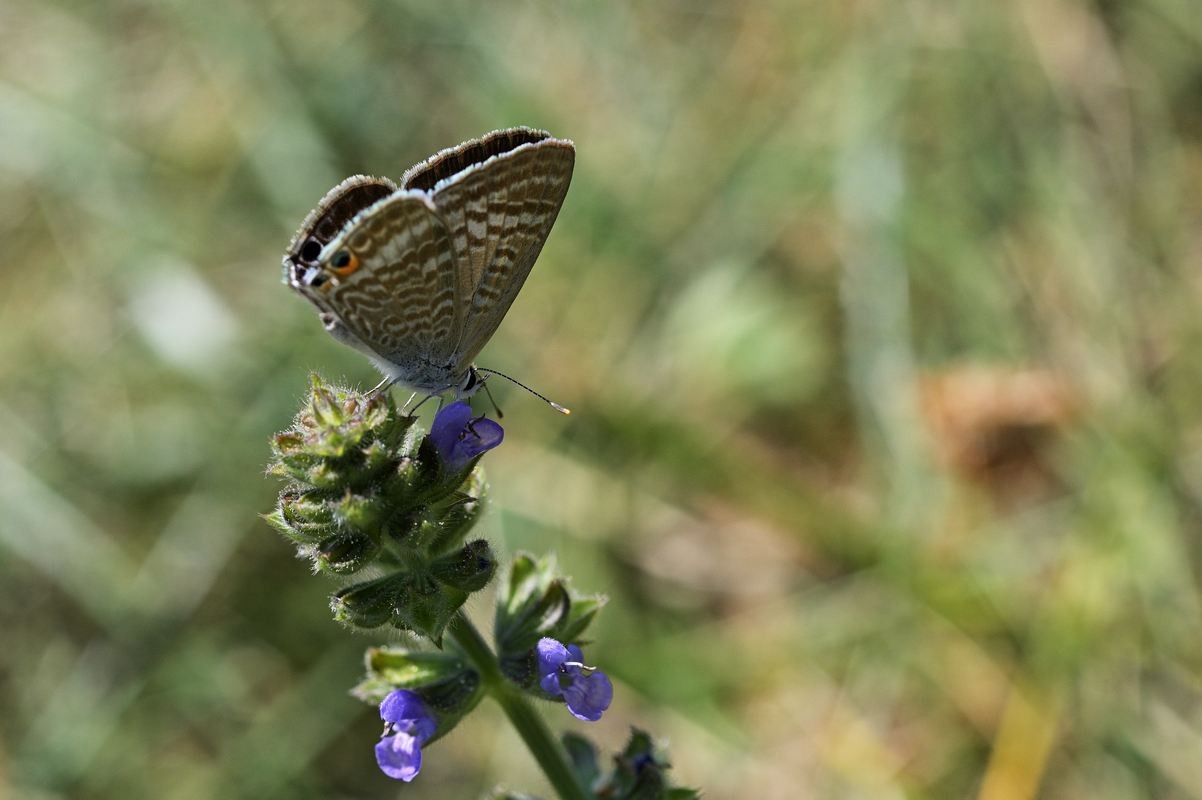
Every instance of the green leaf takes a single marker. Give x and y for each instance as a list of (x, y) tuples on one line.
[(522, 582), (530, 600), (583, 755), (639, 744), (580, 616)]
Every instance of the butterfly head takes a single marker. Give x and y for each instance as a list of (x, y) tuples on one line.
[(470, 384)]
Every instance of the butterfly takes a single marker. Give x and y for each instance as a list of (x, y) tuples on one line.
[(418, 277)]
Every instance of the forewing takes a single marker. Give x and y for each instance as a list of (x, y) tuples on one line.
[(448, 163), (498, 212), (401, 299), (328, 219)]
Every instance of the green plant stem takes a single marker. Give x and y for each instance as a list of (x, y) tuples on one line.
[(525, 718)]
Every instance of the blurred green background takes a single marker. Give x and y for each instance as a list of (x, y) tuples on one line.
[(880, 321)]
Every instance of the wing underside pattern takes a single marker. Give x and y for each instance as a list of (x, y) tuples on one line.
[(441, 259), (402, 300), (499, 215)]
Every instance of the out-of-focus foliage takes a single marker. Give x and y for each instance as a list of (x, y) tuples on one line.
[(880, 325)]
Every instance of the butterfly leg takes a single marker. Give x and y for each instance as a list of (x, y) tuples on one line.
[(413, 410), (382, 386)]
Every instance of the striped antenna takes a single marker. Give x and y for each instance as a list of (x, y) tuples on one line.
[(561, 409)]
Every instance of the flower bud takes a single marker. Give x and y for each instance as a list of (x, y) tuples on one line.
[(455, 696), (536, 603), (365, 605), (425, 606), (640, 772), (305, 508), (468, 570), (401, 668), (345, 553), (359, 512), (449, 524), (446, 684)]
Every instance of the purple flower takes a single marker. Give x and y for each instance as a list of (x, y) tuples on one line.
[(562, 672), (399, 751), (458, 437)]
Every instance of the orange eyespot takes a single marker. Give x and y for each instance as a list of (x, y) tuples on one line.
[(344, 263)]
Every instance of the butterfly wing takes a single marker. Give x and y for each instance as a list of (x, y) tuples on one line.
[(325, 222), (498, 196), (398, 293)]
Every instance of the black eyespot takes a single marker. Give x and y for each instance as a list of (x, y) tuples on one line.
[(310, 250), (341, 258)]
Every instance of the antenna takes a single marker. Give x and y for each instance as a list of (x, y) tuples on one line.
[(561, 409), (496, 407)]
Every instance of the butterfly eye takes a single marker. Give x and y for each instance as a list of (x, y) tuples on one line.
[(344, 263)]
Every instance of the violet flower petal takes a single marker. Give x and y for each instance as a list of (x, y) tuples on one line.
[(482, 435), (401, 705), (589, 695), (410, 724), (551, 655), (399, 756), (458, 438), (447, 425)]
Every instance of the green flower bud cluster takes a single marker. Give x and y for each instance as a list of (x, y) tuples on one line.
[(368, 496)]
